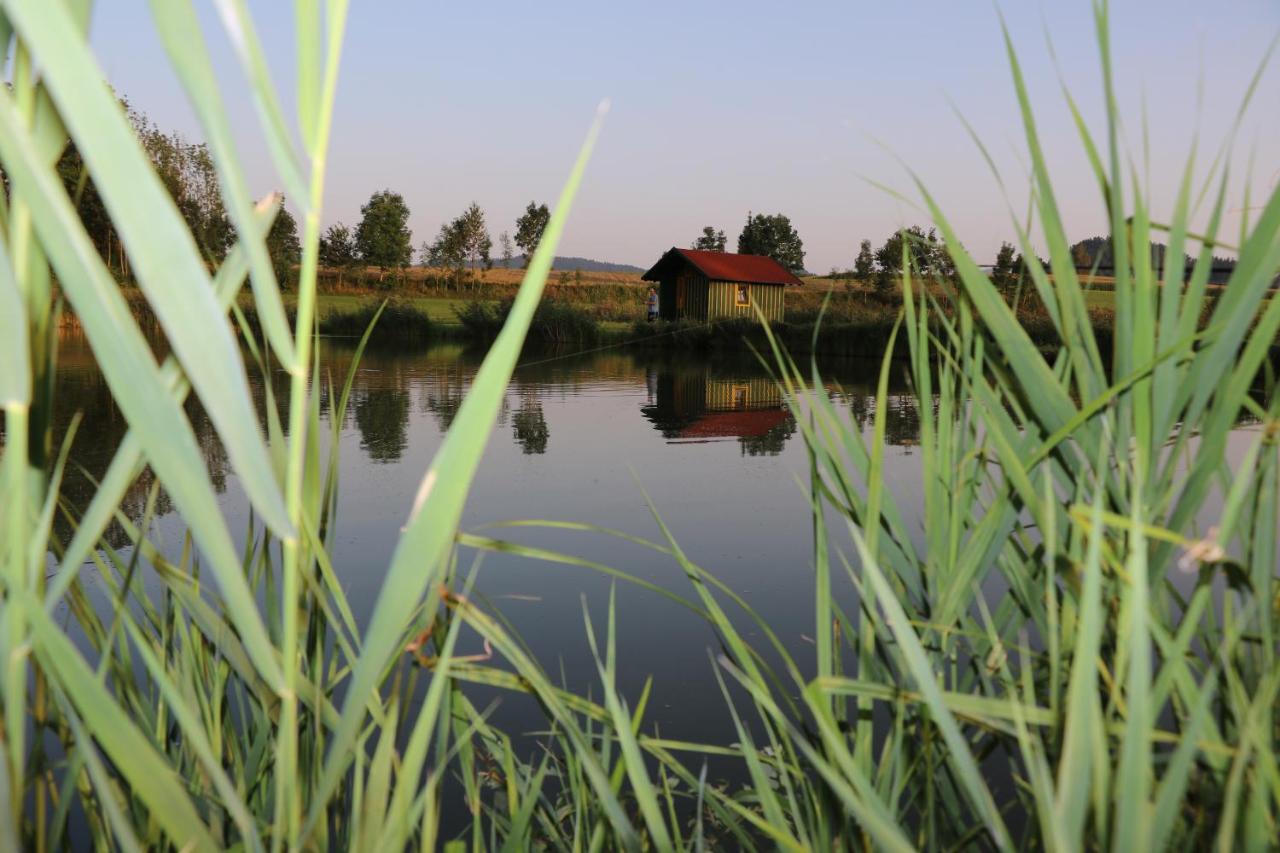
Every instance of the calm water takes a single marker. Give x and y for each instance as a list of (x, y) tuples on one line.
[(580, 438)]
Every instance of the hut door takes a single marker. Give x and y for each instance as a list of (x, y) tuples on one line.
[(681, 290)]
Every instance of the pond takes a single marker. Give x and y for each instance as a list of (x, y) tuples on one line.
[(582, 438)]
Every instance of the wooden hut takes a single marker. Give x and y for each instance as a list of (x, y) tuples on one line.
[(697, 285), (694, 405)]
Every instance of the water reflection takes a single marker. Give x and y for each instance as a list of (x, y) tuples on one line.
[(81, 392), (692, 405), (402, 401), (382, 416), (529, 424), (901, 416)]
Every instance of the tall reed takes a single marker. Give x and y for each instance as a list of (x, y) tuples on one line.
[(1078, 651)]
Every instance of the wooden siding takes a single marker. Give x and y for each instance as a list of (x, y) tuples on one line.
[(722, 301), (689, 296), (731, 394), (683, 296)]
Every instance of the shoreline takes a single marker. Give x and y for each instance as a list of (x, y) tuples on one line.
[(857, 323)]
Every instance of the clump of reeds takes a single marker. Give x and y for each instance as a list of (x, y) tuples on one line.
[(1088, 615)]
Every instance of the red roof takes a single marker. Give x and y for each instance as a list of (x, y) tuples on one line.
[(725, 266), (751, 423)]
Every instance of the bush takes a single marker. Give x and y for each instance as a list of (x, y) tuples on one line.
[(397, 320), (554, 322)]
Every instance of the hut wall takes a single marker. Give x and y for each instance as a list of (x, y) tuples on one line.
[(738, 394), (667, 298), (692, 305), (722, 301)]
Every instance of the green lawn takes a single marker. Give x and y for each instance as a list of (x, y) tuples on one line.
[(440, 310)]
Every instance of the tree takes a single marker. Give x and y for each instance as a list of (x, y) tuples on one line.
[(504, 243), (461, 241), (772, 236), (446, 252), (188, 174), (529, 228), (928, 256), (187, 171), (383, 238), (1083, 253), (474, 237), (337, 249), (1004, 274), (710, 241), (89, 205), (282, 245), (864, 266)]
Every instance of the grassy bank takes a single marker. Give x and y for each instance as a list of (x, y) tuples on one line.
[(850, 323), (1078, 650)]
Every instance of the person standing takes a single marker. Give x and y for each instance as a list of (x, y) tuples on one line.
[(652, 302)]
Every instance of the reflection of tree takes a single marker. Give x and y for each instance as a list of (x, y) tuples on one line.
[(529, 427), (382, 416), (772, 442), (443, 396), (79, 388), (901, 421), (901, 416), (860, 407), (444, 407)]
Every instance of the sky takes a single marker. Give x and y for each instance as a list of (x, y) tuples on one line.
[(817, 110)]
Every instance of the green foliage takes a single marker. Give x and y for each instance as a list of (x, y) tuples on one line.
[(710, 241), (865, 264), (383, 238), (774, 236), (529, 228), (396, 322), (283, 246), (554, 322), (187, 171), (337, 248), (928, 256), (461, 241), (1004, 273)]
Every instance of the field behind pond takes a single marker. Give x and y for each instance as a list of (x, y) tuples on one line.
[(615, 299)]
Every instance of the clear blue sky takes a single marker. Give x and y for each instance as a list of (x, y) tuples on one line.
[(722, 107)]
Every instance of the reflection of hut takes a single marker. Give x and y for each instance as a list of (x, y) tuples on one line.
[(693, 406), (698, 285)]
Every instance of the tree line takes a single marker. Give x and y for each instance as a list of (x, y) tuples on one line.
[(187, 172), (382, 237)]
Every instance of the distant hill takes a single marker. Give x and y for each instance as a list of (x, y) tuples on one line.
[(584, 264), (1096, 252)]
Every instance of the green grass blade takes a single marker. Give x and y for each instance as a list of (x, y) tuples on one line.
[(151, 778), (15, 379), (129, 455), (180, 33), (917, 663), (432, 524), (248, 49), (133, 377), (161, 249)]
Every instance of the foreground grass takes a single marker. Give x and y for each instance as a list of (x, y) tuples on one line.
[(1077, 651)]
